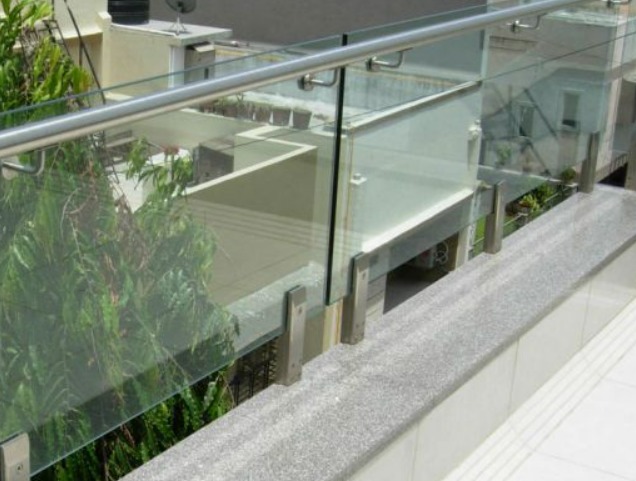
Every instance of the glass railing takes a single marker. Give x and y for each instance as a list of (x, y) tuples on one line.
[(146, 257), (623, 90), (545, 91), (407, 153), (237, 63), (227, 60), (143, 258)]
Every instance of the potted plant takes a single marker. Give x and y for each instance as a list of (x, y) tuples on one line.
[(262, 112), (568, 176), (280, 116), (528, 204), (301, 118), (504, 153), (244, 109), (545, 194), (231, 108), (218, 106), (207, 107)]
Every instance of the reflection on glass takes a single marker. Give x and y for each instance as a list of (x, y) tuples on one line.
[(148, 256), (545, 92), (103, 307), (410, 149)]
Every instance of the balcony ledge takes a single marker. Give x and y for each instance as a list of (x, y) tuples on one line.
[(354, 401)]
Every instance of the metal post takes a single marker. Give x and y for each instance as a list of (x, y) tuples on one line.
[(354, 311), (493, 235), (630, 181), (291, 343), (14, 459), (458, 249), (588, 170)]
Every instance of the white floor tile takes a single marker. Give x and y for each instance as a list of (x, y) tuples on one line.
[(545, 468), (565, 415), (600, 433)]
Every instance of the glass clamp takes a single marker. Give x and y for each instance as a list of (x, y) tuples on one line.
[(15, 459)]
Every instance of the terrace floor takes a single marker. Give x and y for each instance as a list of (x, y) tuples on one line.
[(580, 426)]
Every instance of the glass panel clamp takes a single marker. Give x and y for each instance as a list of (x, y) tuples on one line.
[(518, 25), (354, 310), (15, 459), (588, 169), (493, 235), (291, 343)]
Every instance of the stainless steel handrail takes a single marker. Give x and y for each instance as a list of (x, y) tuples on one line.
[(67, 127)]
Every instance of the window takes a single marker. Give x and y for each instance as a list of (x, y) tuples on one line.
[(526, 120), (570, 115)]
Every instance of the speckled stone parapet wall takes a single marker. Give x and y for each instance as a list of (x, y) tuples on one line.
[(354, 401)]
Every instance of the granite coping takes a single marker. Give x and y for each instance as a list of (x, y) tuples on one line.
[(353, 401)]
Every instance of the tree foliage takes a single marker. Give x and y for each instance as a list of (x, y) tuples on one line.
[(104, 312)]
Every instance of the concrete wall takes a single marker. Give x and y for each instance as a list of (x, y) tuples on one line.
[(288, 21), (86, 12), (135, 55), (262, 236), (187, 128), (270, 213), (92, 18)]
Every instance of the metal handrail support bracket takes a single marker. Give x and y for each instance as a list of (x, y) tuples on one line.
[(309, 81), (52, 131), (26, 169), (517, 26), (291, 343), (630, 181), (375, 65), (588, 169), (15, 459), (354, 310), (494, 231)]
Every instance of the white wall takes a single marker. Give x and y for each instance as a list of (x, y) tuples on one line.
[(437, 443)]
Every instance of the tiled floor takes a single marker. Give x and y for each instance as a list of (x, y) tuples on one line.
[(581, 426)]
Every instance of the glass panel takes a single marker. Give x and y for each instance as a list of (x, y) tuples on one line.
[(433, 231), (144, 258), (225, 61), (624, 81), (410, 149), (546, 90)]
